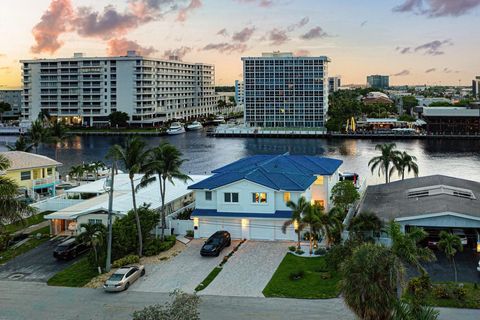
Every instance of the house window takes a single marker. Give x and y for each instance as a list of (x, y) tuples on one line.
[(319, 181), (25, 175), (319, 203), (286, 197), (94, 221), (49, 171), (208, 195), (231, 197), (259, 197)]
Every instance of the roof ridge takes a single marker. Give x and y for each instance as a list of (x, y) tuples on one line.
[(287, 176), (265, 174)]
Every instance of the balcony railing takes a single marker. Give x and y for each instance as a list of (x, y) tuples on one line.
[(43, 181)]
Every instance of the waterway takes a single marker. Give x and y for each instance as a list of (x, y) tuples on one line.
[(459, 158)]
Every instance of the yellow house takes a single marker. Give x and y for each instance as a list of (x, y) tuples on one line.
[(35, 173)]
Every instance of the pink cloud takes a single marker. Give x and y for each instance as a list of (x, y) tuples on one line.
[(119, 47)]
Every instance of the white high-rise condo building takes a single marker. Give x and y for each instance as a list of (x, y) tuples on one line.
[(282, 90), (85, 90), (476, 87)]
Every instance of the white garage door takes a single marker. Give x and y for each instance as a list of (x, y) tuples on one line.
[(288, 235), (234, 227), (261, 230), (207, 227)]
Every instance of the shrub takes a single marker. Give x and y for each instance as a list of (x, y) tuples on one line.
[(155, 246), (475, 286), (419, 286), (337, 254), (185, 215), (296, 275), (459, 292), (131, 259), (189, 234), (440, 292), (184, 306), (320, 251), (300, 252), (325, 275), (292, 248), (4, 241)]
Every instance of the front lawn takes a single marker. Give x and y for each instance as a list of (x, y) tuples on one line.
[(303, 278), (27, 222), (450, 300), (77, 275)]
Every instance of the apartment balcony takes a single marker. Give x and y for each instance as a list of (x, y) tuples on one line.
[(39, 183)]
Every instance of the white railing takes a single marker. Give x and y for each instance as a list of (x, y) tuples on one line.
[(41, 181)]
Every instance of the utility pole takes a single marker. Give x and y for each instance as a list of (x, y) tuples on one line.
[(110, 213)]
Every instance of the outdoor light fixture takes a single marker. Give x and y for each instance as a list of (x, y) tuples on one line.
[(295, 225), (245, 223), (195, 222)]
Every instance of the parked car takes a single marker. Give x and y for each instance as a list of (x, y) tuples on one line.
[(215, 244), (122, 278), (70, 249)]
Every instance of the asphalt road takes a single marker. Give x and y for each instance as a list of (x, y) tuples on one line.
[(37, 264), (33, 300)]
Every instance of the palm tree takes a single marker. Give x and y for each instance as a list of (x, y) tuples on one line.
[(93, 235), (163, 164), (11, 209), (368, 285), (77, 172), (37, 134), (385, 160), (406, 250), (133, 157), (312, 219), (330, 225), (21, 145), (414, 311), (363, 223), (95, 167), (450, 244), (407, 162), (298, 211)]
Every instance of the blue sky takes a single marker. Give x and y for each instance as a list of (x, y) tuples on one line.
[(361, 37)]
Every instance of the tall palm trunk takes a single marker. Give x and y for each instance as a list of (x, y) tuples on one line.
[(386, 173), (299, 239), (454, 269), (162, 214), (137, 219)]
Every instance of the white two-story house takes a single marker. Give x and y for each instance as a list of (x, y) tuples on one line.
[(248, 197)]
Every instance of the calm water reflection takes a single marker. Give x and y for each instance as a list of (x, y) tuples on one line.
[(451, 157)]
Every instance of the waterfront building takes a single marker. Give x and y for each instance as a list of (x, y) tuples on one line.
[(334, 83), (85, 90), (14, 99), (88, 203), (378, 81), (248, 197), (476, 87), (451, 120), (282, 90), (35, 174), (434, 203), (239, 92)]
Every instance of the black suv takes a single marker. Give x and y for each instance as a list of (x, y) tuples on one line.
[(69, 249), (215, 244)]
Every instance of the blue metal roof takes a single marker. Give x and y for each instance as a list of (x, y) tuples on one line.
[(215, 213), (278, 172)]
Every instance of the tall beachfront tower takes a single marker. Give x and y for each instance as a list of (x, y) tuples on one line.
[(85, 90), (282, 90)]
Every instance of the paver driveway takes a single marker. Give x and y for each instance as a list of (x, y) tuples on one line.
[(249, 270), (184, 272)]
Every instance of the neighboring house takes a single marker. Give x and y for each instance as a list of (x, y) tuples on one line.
[(88, 203), (434, 203), (35, 173), (248, 197)]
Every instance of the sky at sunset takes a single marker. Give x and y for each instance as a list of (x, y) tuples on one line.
[(413, 41)]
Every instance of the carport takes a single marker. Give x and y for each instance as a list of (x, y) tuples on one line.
[(433, 203)]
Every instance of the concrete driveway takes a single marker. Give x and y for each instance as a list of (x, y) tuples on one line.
[(249, 270), (184, 271), (37, 264)]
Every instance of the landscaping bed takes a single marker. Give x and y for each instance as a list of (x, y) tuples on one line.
[(27, 222), (303, 278), (77, 275), (450, 295)]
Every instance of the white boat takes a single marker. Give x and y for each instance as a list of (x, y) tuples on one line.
[(176, 128), (219, 119), (195, 125)]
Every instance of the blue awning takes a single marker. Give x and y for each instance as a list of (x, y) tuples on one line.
[(240, 215)]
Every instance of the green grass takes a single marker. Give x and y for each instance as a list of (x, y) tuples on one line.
[(310, 286), (30, 221), (208, 279), (9, 254), (76, 275), (471, 301)]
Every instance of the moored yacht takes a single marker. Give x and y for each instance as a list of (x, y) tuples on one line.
[(176, 128), (219, 119), (195, 125)]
